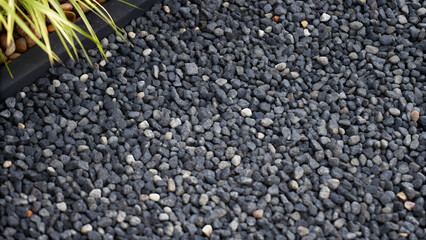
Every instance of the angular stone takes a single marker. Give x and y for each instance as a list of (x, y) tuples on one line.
[(191, 68), (325, 17)]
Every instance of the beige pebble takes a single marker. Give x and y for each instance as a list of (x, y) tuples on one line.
[(132, 35), (304, 23), (171, 186), (10, 49), (21, 126), (415, 115), (86, 229), (66, 6), (141, 95), (166, 9), (7, 164), (258, 213), (401, 196)]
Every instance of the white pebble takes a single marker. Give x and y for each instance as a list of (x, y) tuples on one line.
[(121, 216), (104, 140), (163, 217), (154, 197), (143, 125), (130, 159), (132, 35), (110, 91), (207, 230), (86, 229), (146, 52), (95, 193), (236, 160), (56, 83), (84, 77), (62, 206), (135, 221), (246, 112), (325, 17), (175, 122), (166, 9), (204, 199), (306, 32), (324, 193)]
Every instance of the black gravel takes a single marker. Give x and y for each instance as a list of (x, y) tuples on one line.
[(230, 119)]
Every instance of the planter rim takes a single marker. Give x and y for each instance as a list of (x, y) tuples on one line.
[(26, 71)]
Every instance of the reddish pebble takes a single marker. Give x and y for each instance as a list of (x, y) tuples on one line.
[(143, 197), (29, 213), (409, 205), (258, 213), (415, 115), (276, 19)]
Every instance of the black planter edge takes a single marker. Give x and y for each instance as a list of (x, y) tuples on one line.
[(27, 68)]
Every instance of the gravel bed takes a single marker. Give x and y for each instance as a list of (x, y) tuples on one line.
[(237, 119)]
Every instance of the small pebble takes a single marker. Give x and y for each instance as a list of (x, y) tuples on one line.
[(85, 229), (110, 91), (409, 205), (401, 196), (246, 112), (154, 197), (7, 164), (325, 17), (166, 9), (62, 206), (84, 77), (258, 213), (415, 115), (323, 61), (207, 230), (143, 197)]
